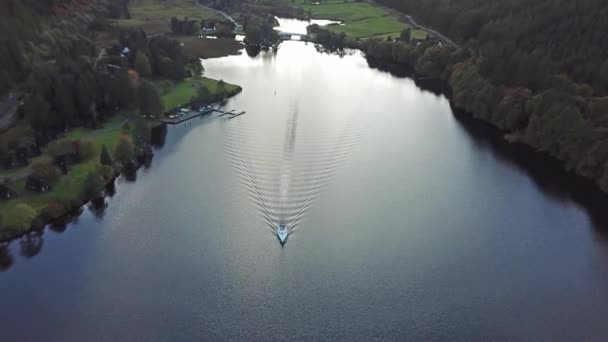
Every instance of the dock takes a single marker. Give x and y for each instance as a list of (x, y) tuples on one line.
[(237, 114), (231, 112), (179, 118), (190, 115)]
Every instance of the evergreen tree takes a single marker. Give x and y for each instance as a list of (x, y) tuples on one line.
[(104, 157), (142, 64), (150, 101)]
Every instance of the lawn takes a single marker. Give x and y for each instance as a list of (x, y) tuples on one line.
[(68, 187), (359, 19), (154, 16), (370, 27), (179, 93), (345, 11)]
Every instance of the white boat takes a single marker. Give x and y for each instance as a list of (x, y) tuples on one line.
[(282, 233)]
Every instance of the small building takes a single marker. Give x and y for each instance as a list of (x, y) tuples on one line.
[(125, 52), (7, 193), (36, 185)]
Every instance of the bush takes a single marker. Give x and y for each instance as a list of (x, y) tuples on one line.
[(124, 152), (55, 209), (93, 186), (61, 147), (20, 217), (126, 127), (104, 157), (85, 149), (45, 170)]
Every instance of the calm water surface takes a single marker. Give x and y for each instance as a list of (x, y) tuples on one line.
[(403, 225)]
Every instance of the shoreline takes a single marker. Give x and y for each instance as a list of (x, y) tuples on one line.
[(43, 219)]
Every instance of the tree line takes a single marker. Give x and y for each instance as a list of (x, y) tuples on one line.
[(562, 117)]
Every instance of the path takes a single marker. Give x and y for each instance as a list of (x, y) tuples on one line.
[(102, 53), (215, 10), (8, 108), (410, 21)]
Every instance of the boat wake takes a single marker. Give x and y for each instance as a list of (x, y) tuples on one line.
[(285, 169)]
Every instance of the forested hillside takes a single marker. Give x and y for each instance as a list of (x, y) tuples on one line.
[(35, 31), (537, 69), (522, 41)]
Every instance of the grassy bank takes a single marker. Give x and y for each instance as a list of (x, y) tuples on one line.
[(359, 19), (153, 16), (176, 94), (68, 188)]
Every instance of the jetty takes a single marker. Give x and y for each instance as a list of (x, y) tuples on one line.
[(179, 115), (231, 113)]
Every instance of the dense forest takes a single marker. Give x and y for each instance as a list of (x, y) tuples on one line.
[(33, 31), (65, 87), (537, 69), (521, 41)]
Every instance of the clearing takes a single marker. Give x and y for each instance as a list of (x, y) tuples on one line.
[(154, 16)]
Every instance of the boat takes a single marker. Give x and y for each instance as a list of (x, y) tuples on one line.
[(282, 233)]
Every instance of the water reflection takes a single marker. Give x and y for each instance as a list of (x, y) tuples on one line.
[(98, 207), (547, 173), (31, 244), (158, 135), (284, 174), (6, 257)]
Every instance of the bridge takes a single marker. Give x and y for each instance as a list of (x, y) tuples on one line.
[(292, 35)]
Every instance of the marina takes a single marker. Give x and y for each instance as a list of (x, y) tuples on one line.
[(179, 115)]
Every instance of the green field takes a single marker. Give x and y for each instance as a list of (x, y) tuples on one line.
[(154, 16), (345, 11), (370, 27), (359, 19), (179, 93)]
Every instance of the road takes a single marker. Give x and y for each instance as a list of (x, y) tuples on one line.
[(102, 53), (410, 21), (214, 10), (8, 108)]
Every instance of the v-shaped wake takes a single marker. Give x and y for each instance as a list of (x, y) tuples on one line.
[(284, 172)]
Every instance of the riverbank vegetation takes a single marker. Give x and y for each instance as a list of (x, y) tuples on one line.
[(85, 116), (204, 89), (543, 83)]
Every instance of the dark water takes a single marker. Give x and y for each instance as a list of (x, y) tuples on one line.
[(406, 224)]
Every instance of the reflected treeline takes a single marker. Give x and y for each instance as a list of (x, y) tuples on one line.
[(158, 135), (6, 257), (546, 172), (31, 244), (98, 207)]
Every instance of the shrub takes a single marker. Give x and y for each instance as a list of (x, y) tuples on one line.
[(93, 186), (44, 169), (55, 209), (61, 146), (124, 152), (104, 156), (20, 217), (85, 148)]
